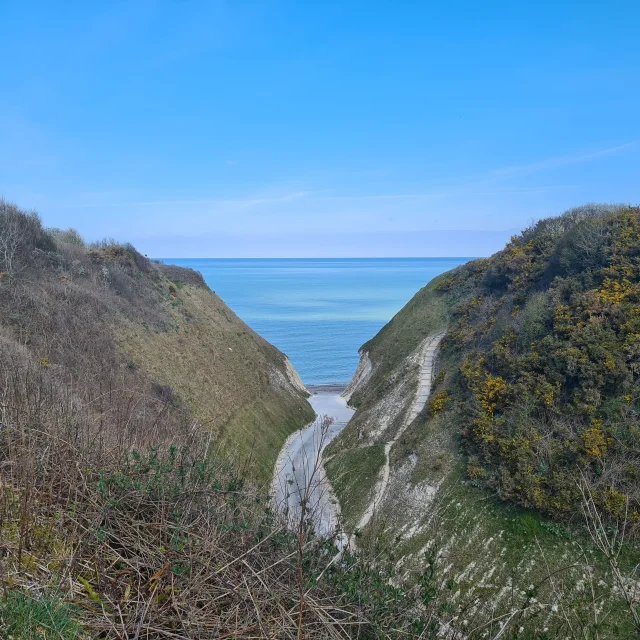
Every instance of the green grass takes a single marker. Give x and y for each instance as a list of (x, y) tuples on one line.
[(425, 314), (259, 429), (353, 475), (221, 370), (479, 545), (46, 617)]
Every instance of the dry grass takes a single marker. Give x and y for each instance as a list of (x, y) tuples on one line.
[(147, 539), (112, 492)]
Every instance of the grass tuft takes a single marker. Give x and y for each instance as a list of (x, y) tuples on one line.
[(43, 617)]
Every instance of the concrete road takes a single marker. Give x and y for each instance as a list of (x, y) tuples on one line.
[(299, 471)]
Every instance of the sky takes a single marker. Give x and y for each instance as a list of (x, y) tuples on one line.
[(317, 129)]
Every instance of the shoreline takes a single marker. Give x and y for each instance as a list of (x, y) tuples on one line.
[(336, 387)]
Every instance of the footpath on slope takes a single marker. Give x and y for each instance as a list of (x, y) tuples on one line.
[(425, 376), (300, 467)]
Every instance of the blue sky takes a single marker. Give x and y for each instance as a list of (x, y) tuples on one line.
[(239, 129)]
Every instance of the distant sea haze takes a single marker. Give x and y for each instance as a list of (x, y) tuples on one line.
[(319, 311)]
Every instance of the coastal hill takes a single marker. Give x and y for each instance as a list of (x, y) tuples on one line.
[(140, 420), (103, 319), (533, 421), (538, 366)]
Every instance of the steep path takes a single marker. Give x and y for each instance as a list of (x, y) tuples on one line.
[(299, 465), (425, 376)]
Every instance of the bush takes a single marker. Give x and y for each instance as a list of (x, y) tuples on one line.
[(66, 236), (20, 234), (548, 334)]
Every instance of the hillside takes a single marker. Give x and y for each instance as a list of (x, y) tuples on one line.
[(137, 413), (139, 420), (80, 309), (533, 420)]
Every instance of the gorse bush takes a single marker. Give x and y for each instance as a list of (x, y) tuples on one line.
[(548, 346)]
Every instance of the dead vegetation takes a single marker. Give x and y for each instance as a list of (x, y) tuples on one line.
[(147, 538), (113, 495)]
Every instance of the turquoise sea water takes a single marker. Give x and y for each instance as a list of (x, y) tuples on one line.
[(318, 311)]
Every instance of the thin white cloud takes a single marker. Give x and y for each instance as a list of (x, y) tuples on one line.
[(560, 161), (385, 196), (286, 197), (452, 191)]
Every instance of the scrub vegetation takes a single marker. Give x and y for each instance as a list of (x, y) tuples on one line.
[(548, 346)]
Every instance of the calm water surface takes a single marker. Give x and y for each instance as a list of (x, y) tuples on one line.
[(318, 311)]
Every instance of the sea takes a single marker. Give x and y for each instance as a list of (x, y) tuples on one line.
[(319, 311)]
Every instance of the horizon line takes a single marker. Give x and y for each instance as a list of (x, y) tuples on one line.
[(321, 258)]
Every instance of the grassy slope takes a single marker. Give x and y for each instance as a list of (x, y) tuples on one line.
[(233, 381), (480, 548), (353, 475), (85, 308)]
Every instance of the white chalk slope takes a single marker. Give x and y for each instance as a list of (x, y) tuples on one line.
[(425, 376)]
